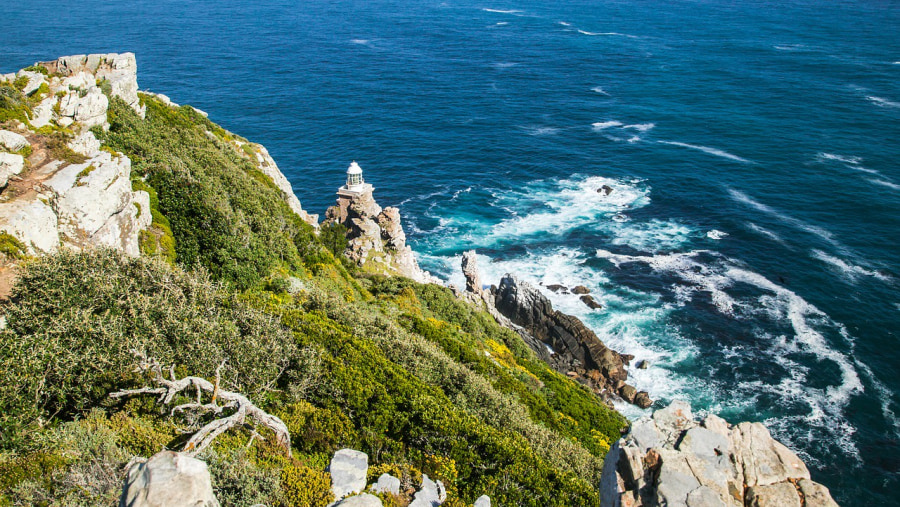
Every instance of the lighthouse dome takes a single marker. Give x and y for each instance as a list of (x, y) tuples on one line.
[(354, 169)]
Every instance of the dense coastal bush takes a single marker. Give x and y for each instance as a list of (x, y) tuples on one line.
[(422, 382)]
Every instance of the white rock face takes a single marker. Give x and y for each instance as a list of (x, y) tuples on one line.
[(35, 80), (118, 70), (267, 165), (10, 164), (168, 479), (671, 459), (387, 483), (33, 222), (85, 143), (348, 472), (12, 141), (42, 113), (89, 110), (483, 501)]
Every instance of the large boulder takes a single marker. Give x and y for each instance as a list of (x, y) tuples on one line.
[(672, 459), (363, 500), (470, 271), (348, 472), (168, 479), (10, 164), (12, 141)]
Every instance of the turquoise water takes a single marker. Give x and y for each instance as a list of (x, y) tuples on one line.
[(749, 247)]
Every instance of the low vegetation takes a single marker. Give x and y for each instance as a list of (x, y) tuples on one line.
[(422, 382)]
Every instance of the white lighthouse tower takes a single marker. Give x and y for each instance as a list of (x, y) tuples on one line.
[(355, 184)]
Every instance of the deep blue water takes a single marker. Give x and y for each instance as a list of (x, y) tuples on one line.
[(492, 123)]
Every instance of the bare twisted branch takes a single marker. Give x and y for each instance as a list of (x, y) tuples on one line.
[(245, 409)]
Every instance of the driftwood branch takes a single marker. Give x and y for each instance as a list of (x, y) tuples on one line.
[(245, 410)]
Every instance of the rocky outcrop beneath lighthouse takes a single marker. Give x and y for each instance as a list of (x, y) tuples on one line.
[(375, 238), (672, 459)]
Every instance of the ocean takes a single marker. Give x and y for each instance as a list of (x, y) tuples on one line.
[(748, 250)]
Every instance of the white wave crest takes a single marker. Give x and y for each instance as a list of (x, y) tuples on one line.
[(563, 23), (882, 102), (766, 232), (594, 34), (360, 41), (534, 130), (503, 65), (600, 90), (716, 234), (800, 224), (640, 127), (885, 183), (851, 271), (847, 159), (502, 11), (602, 125), (706, 149)]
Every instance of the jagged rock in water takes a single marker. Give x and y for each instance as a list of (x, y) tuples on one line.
[(348, 472), (671, 459), (168, 479), (580, 289), (590, 302), (578, 347), (558, 288)]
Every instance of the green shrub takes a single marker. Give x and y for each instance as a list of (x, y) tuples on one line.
[(305, 487), (224, 214), (11, 247), (74, 320)]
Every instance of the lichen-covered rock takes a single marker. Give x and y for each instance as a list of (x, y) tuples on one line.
[(483, 501), (10, 164), (32, 222), (12, 141), (671, 459), (119, 71), (85, 144), (35, 80), (387, 483), (168, 479), (348, 472)]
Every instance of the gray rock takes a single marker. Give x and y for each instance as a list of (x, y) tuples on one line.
[(674, 419), (815, 494), (266, 164), (676, 479), (431, 494), (10, 164), (705, 443), (704, 497), (85, 143), (348, 472), (33, 223), (764, 461), (168, 479), (483, 501), (35, 80), (387, 483), (580, 289), (42, 113), (12, 141), (782, 494), (470, 271), (644, 434), (363, 500)]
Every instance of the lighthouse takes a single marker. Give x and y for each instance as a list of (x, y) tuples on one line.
[(355, 189), (355, 184)]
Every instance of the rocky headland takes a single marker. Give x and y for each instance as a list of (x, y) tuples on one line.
[(395, 366)]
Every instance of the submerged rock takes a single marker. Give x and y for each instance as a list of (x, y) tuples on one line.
[(590, 302)]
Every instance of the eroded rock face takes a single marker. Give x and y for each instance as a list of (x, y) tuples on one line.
[(119, 71), (672, 459), (168, 479), (577, 349), (375, 237), (266, 164)]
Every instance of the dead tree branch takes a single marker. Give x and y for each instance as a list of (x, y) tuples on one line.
[(244, 409)]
